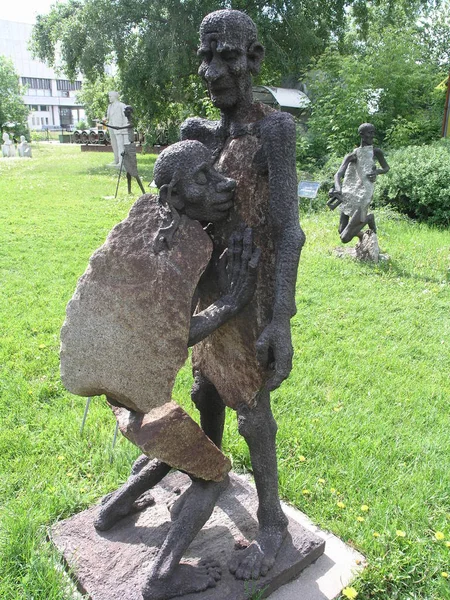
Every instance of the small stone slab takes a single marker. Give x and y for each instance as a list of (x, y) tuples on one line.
[(169, 433), (112, 565)]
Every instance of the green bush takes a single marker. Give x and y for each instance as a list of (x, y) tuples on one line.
[(418, 183)]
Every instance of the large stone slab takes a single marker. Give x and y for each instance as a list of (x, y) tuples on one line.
[(112, 565), (127, 325)]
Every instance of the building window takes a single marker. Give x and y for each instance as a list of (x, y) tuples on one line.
[(43, 108), (37, 83), (46, 120), (34, 107), (67, 86)]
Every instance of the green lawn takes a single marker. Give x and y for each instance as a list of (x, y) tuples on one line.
[(363, 419)]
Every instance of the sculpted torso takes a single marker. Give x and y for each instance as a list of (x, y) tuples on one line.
[(228, 356)]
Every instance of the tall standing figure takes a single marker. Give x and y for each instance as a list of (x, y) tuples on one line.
[(243, 361), (118, 120)]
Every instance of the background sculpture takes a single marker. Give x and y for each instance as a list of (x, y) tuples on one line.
[(240, 363), (116, 118), (8, 147), (353, 186), (24, 148)]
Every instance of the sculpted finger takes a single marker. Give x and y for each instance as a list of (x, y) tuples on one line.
[(237, 259), (230, 256), (283, 368), (222, 270), (247, 245), (254, 261), (262, 351)]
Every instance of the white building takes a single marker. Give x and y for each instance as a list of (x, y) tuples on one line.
[(51, 99)]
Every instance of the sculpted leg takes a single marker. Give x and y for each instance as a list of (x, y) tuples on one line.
[(212, 410), (354, 227), (145, 475), (259, 428), (167, 578)]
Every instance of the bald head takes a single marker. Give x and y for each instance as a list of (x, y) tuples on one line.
[(178, 160), (233, 27)]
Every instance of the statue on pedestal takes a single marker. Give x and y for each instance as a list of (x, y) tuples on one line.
[(353, 188), (24, 148), (116, 119), (8, 147)]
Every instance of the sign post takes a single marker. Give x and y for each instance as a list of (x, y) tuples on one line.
[(308, 189)]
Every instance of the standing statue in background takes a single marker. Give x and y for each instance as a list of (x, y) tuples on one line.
[(128, 158), (249, 356), (117, 122), (8, 147), (353, 187)]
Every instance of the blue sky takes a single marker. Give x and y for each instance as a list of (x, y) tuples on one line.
[(24, 11)]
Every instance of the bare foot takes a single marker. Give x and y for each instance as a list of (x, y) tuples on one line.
[(120, 504), (185, 579), (259, 557)]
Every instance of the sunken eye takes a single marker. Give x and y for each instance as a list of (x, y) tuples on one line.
[(205, 55), (229, 55), (200, 178)]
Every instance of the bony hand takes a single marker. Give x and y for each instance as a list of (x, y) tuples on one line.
[(274, 351), (239, 265)]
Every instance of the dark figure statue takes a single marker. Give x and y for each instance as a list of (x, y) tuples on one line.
[(353, 186), (249, 356)]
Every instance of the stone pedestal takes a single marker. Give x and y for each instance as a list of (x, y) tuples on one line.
[(112, 565), (367, 249)]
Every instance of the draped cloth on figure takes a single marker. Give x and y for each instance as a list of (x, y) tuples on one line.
[(357, 190), (227, 357)]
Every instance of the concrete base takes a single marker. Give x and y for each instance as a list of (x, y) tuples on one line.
[(112, 565)]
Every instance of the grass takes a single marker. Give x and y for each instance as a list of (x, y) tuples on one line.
[(363, 419)]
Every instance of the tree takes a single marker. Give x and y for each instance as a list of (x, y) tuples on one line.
[(12, 107), (388, 79), (94, 96)]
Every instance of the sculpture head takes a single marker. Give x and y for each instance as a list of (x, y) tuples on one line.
[(113, 96), (188, 182), (230, 55), (22, 139), (128, 112), (367, 133), (6, 137)]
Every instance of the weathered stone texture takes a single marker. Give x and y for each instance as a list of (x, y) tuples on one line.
[(127, 325), (228, 356), (169, 433)]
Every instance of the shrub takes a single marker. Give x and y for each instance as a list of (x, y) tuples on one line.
[(418, 183)]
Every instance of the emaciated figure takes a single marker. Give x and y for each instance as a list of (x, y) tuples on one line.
[(354, 183), (240, 363)]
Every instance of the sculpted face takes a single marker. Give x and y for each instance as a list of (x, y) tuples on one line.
[(198, 189), (113, 96), (367, 133), (229, 56)]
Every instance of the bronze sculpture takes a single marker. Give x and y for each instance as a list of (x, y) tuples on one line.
[(353, 186)]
